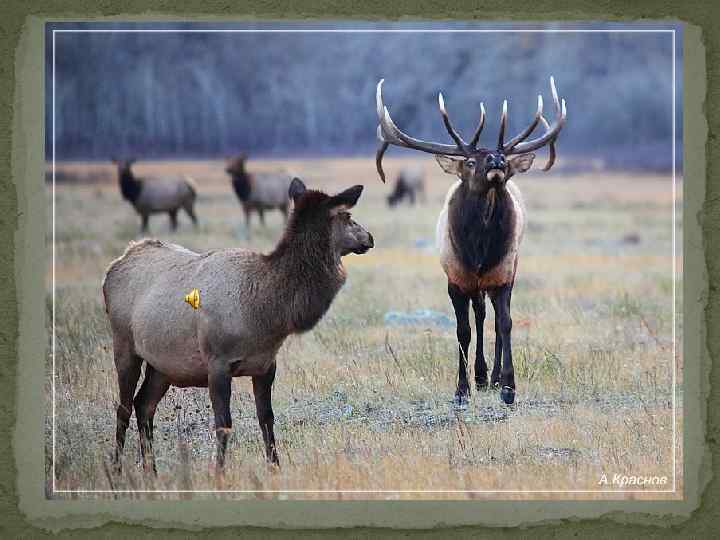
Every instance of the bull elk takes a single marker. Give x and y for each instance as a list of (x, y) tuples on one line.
[(480, 227)]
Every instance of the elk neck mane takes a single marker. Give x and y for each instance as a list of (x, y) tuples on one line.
[(130, 187), (241, 180), (305, 265), (481, 226)]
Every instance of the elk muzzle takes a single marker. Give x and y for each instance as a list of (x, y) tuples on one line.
[(357, 240), (496, 168), (496, 175), (365, 243)]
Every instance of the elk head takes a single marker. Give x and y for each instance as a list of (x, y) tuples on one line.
[(123, 165), (316, 213), (475, 165), (236, 164)]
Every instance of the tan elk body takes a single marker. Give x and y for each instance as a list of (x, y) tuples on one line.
[(258, 191), (157, 195)]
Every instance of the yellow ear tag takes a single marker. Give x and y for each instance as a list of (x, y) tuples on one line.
[(193, 298)]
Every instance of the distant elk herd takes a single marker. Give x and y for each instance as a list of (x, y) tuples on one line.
[(244, 304), (257, 192)]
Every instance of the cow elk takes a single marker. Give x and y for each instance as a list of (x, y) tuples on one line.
[(257, 191), (242, 307), (410, 185), (156, 195), (480, 227)]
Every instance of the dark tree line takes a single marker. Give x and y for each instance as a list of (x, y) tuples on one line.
[(212, 94)]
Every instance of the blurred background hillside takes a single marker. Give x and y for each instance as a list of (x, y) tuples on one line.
[(207, 95)]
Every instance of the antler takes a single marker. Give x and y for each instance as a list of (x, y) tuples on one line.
[(527, 131), (517, 146), (388, 133)]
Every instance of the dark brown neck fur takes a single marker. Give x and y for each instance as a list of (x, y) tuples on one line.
[(241, 180), (481, 226), (307, 266), (130, 187)]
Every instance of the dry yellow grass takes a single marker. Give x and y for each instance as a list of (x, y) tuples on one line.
[(592, 312)]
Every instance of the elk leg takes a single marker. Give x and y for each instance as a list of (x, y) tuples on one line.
[(478, 303), (145, 220), (461, 304), (153, 388), (190, 212), (173, 219), (219, 385), (262, 388), (128, 367), (247, 211), (507, 373), (284, 210), (261, 213), (495, 376)]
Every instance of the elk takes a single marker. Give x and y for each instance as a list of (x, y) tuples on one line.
[(409, 184), (153, 196), (243, 305), (258, 191), (480, 227)]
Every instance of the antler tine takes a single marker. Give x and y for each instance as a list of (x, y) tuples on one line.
[(503, 125), (520, 137), (478, 130), (450, 129), (378, 159), (551, 132), (551, 147)]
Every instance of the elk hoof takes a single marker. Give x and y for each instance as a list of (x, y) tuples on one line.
[(461, 399), (507, 394), (481, 385)]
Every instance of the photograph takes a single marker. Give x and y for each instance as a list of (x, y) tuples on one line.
[(347, 260)]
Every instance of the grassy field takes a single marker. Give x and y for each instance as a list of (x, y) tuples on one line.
[(361, 406)]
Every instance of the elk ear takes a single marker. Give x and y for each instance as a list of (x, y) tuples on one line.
[(345, 199), (297, 188), (451, 165), (521, 163)]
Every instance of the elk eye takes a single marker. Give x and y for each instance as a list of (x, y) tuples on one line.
[(470, 163)]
